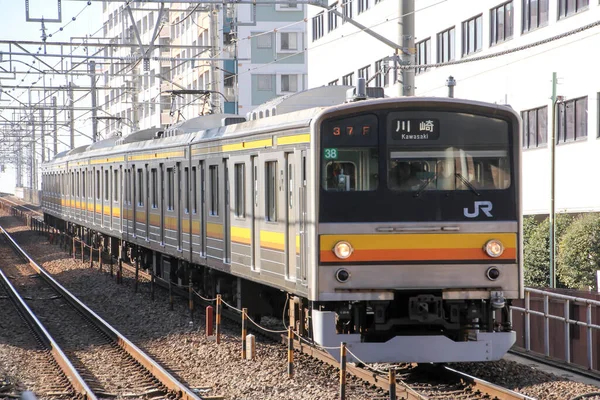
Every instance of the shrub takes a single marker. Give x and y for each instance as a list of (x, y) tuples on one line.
[(536, 249), (579, 255)]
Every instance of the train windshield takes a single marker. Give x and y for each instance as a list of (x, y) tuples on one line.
[(447, 151), (424, 165)]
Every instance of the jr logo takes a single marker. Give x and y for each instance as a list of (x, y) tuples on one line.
[(485, 206)]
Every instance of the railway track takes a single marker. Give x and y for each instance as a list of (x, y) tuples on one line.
[(412, 381), (97, 360)]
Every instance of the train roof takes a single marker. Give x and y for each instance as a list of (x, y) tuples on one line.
[(295, 111)]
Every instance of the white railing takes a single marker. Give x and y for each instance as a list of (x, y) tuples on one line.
[(567, 321)]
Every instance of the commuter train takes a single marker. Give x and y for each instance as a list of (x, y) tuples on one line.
[(394, 224)]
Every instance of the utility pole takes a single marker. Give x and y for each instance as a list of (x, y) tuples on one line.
[(407, 39), (33, 176), (214, 42), (92, 65), (552, 238), (71, 115), (135, 112), (55, 133), (43, 133)]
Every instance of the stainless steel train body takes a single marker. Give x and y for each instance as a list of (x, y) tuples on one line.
[(397, 221)]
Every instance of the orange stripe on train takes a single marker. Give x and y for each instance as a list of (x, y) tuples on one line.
[(418, 255)]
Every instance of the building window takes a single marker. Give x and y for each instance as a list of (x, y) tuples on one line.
[(332, 18), (288, 41), (567, 8), (572, 120), (364, 72), (154, 175), (423, 55), (472, 35), (264, 41), (501, 23), (346, 9), (382, 69), (348, 80), (317, 26), (445, 45), (291, 6), (535, 127), (363, 5), (240, 190), (535, 14), (264, 82), (214, 189), (271, 191), (334, 83), (289, 83)]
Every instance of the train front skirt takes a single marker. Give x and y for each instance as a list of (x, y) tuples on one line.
[(488, 346)]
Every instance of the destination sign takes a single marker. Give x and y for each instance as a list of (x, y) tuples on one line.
[(416, 129)]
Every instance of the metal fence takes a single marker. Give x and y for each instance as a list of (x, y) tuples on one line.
[(564, 318)]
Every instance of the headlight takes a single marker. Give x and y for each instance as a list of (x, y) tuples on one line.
[(494, 248), (342, 250)]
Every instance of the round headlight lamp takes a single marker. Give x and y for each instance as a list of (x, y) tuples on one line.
[(342, 250), (494, 248)]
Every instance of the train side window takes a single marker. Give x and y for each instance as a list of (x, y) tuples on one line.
[(239, 182), (271, 191), (194, 190), (154, 175), (186, 177), (140, 186), (214, 189), (83, 184), (106, 185), (98, 184), (170, 189), (116, 185)]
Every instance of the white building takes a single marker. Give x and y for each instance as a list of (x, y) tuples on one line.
[(459, 30)]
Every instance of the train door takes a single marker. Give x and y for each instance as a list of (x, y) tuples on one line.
[(162, 204), (255, 252), (111, 188), (179, 205), (302, 212), (226, 215), (147, 200), (202, 212), (290, 216)]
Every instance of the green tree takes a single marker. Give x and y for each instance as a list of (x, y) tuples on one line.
[(579, 255), (536, 249)]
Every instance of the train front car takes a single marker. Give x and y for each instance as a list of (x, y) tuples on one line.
[(418, 229)]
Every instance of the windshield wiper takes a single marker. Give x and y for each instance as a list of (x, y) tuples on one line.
[(424, 185), (467, 183)]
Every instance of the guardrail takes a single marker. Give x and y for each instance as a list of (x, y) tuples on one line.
[(566, 319)]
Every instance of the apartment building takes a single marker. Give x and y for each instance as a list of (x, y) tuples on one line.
[(503, 52), (221, 59)]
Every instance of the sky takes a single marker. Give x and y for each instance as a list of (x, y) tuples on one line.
[(13, 26)]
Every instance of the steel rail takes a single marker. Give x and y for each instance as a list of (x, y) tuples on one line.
[(22, 206), (79, 385), (152, 366), (494, 391)]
